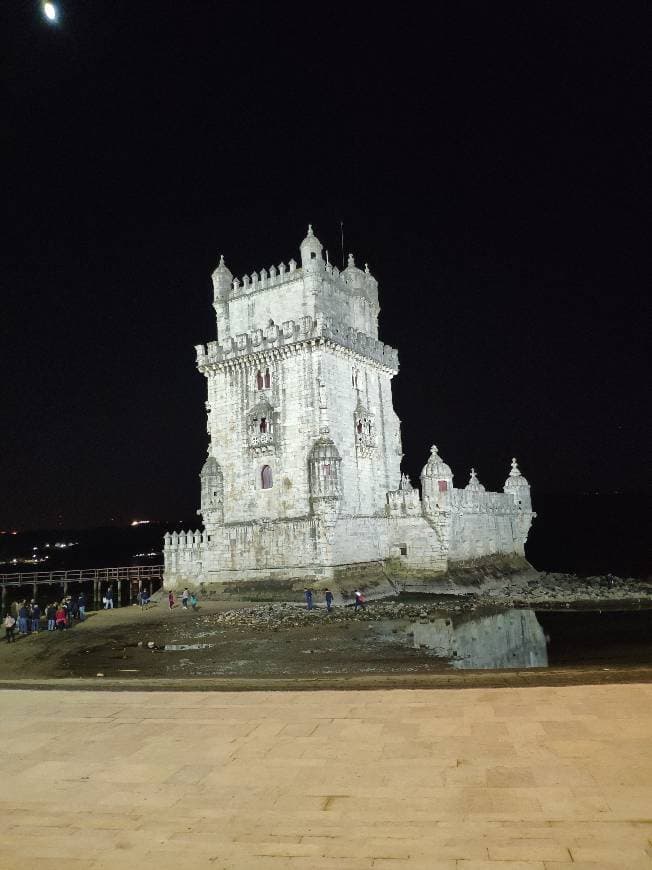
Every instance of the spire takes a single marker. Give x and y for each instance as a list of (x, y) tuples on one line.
[(515, 477), (474, 484)]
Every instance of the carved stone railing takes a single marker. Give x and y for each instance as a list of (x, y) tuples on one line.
[(292, 332)]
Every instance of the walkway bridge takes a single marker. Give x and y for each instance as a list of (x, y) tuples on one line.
[(126, 580)]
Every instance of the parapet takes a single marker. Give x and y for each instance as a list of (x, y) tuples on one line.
[(293, 332)]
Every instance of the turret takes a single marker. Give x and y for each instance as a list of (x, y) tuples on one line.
[(222, 280), (222, 284), (518, 487), (436, 483), (311, 258)]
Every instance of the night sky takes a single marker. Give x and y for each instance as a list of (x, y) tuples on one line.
[(488, 162)]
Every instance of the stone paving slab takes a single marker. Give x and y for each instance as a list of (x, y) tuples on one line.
[(542, 778)]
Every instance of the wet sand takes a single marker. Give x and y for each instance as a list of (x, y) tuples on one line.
[(320, 654)]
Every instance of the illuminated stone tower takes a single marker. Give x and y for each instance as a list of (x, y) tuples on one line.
[(302, 479)]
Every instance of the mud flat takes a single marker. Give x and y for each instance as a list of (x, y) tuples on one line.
[(556, 634)]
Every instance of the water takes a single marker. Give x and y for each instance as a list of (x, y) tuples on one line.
[(182, 647), (528, 639)]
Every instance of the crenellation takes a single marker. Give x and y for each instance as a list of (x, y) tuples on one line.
[(303, 477)]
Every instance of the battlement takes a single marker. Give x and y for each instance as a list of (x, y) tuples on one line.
[(470, 501), (293, 332), (263, 280)]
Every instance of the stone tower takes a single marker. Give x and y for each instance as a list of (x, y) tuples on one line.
[(302, 478)]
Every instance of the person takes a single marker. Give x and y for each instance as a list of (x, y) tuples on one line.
[(51, 614), (60, 617), (109, 599), (193, 601), (74, 606), (329, 600), (23, 614), (36, 617), (81, 602), (10, 625), (308, 596), (170, 599), (67, 610), (185, 595), (359, 600)]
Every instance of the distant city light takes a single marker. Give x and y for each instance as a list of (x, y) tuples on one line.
[(140, 522), (50, 11)]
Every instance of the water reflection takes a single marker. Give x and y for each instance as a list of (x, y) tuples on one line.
[(508, 639)]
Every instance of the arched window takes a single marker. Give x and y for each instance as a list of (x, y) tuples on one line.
[(263, 424), (359, 427), (268, 379), (259, 379), (266, 477)]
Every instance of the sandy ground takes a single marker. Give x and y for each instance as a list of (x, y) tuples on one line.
[(323, 653)]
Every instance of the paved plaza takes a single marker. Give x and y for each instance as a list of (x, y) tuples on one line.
[(479, 779)]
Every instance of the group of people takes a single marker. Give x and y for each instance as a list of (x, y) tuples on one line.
[(187, 598), (328, 598), (27, 616)]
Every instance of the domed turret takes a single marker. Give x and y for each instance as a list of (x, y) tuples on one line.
[(222, 279), (474, 484), (354, 277), (436, 467), (311, 248), (518, 487), (436, 481)]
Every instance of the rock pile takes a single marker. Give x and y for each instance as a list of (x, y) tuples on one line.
[(546, 590)]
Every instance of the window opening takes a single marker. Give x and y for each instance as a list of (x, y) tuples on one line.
[(266, 477), (443, 486), (268, 379), (259, 380), (263, 424)]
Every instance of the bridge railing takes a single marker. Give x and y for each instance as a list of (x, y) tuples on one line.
[(105, 575)]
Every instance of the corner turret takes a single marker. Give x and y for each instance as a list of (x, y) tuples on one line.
[(311, 248), (518, 487), (436, 482), (222, 280), (222, 284)]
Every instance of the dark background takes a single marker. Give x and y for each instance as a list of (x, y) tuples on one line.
[(488, 161)]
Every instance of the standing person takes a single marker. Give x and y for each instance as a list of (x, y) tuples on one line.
[(329, 600), (10, 625), (68, 612), (23, 615), (60, 617), (308, 596), (109, 599), (193, 601), (74, 606), (36, 617), (359, 600), (170, 599), (51, 614), (81, 602), (185, 595)]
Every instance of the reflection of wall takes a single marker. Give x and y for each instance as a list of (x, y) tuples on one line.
[(513, 639)]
